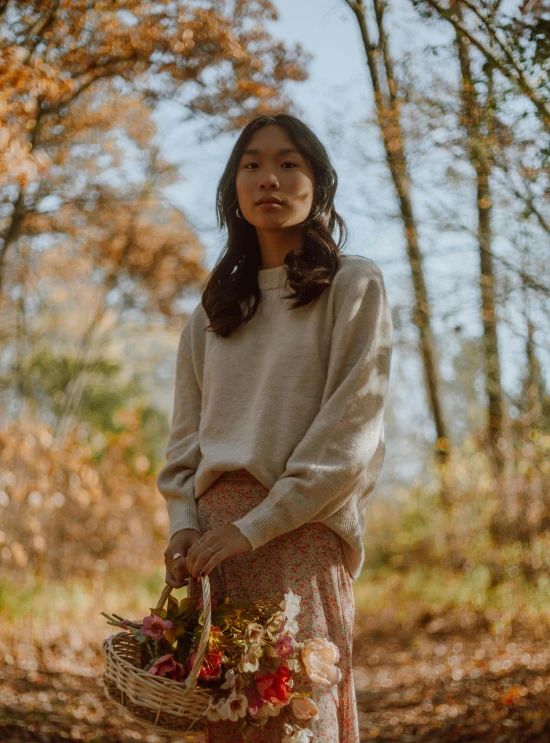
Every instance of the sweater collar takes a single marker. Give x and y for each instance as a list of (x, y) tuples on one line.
[(271, 278)]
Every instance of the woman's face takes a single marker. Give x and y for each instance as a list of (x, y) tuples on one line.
[(274, 168)]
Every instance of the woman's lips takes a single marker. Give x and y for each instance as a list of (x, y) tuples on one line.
[(266, 204)]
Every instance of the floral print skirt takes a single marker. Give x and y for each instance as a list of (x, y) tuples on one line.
[(310, 561)]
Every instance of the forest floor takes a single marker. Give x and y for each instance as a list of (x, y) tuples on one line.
[(443, 678)]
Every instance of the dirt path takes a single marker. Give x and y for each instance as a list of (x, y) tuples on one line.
[(448, 679), (439, 680)]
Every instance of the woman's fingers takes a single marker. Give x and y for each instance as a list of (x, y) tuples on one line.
[(195, 561), (177, 572), (214, 546), (197, 547), (207, 561), (169, 578), (177, 568), (194, 552)]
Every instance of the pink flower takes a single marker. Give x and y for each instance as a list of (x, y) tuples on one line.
[(284, 646), (167, 666), (254, 704), (154, 626), (254, 701)]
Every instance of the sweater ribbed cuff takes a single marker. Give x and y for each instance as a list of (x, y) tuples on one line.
[(182, 514), (263, 523)]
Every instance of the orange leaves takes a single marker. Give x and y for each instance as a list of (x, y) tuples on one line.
[(82, 44), (63, 513), (24, 81), (513, 694), (64, 116)]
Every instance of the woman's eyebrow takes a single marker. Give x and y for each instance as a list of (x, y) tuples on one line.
[(282, 151)]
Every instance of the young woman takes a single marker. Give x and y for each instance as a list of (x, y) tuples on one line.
[(277, 435)]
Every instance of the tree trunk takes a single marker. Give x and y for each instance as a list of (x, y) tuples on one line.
[(387, 107), (473, 116)]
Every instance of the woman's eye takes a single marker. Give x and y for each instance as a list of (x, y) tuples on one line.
[(288, 162)]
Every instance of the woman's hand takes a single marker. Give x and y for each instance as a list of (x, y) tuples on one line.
[(225, 541), (177, 574)]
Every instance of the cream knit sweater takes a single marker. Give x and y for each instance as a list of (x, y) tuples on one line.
[(297, 398)]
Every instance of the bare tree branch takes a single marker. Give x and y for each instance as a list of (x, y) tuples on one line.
[(516, 74)]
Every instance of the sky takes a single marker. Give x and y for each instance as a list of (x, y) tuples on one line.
[(336, 101), (317, 25)]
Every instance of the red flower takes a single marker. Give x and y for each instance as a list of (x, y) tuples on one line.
[(211, 666), (274, 687)]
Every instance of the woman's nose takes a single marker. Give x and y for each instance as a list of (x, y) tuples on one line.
[(268, 180)]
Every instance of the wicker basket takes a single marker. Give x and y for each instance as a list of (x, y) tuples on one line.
[(159, 704)]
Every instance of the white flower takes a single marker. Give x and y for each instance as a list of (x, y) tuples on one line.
[(304, 708), (253, 633), (274, 709), (293, 664), (212, 710), (234, 707), (249, 663), (275, 623), (233, 680), (291, 604), (268, 709), (291, 626), (229, 682), (303, 735), (318, 656)]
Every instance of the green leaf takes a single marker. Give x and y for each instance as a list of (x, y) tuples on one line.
[(172, 605)]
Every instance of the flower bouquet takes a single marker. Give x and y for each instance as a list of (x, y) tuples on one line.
[(198, 660)]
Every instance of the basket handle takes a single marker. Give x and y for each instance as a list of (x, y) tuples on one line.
[(191, 680)]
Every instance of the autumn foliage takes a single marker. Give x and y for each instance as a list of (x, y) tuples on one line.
[(74, 510), (63, 48)]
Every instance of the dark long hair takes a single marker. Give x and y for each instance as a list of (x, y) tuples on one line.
[(234, 278)]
